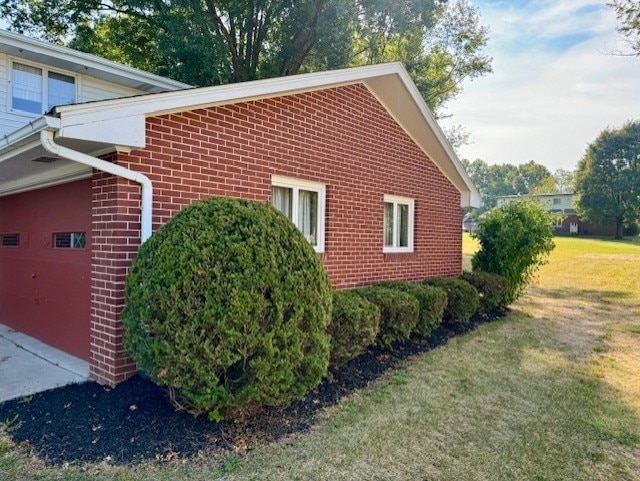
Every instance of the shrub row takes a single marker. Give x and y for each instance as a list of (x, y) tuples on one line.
[(392, 311), (228, 305)]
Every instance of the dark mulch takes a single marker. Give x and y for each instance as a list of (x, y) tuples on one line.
[(88, 422)]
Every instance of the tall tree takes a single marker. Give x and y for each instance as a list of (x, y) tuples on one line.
[(608, 177), (206, 42), (440, 43), (628, 12), (244, 28), (564, 180)]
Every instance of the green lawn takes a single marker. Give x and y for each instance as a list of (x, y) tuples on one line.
[(551, 392)]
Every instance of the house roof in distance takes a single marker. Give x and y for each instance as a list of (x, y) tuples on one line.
[(82, 63)]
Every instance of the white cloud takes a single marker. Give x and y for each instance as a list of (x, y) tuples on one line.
[(553, 89)]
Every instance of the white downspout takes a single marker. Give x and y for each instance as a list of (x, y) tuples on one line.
[(146, 204)]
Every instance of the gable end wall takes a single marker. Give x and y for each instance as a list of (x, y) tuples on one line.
[(341, 137)]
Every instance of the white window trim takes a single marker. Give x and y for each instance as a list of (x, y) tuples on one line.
[(296, 185), (395, 200), (45, 94)]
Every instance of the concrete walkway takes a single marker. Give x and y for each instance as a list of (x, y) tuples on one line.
[(28, 366)]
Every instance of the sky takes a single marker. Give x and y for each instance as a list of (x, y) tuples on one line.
[(555, 84)]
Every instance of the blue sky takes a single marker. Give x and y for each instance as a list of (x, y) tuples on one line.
[(554, 84)]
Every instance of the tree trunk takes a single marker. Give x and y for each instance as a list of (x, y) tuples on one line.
[(619, 228)]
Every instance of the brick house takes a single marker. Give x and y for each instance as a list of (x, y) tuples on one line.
[(569, 223), (352, 156)]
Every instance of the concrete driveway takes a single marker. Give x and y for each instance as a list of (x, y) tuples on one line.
[(28, 366)]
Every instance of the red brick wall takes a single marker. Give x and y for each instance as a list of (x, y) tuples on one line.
[(341, 137)]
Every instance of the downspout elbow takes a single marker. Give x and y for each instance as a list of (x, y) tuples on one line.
[(146, 203)]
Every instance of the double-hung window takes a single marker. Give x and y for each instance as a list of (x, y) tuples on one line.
[(303, 202), (398, 224), (35, 90)]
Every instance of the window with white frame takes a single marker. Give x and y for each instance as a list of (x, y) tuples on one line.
[(398, 224), (36, 90), (303, 202)]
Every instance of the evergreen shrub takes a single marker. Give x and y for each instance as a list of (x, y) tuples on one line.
[(514, 241), (398, 310), (228, 305), (354, 326), (491, 287), (432, 300), (463, 299)]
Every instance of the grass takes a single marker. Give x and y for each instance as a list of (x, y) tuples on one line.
[(551, 392)]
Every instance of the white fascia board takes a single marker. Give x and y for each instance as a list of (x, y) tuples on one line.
[(177, 101), (121, 121), (17, 44)]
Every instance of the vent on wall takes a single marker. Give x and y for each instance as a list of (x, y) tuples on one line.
[(45, 160), (10, 240)]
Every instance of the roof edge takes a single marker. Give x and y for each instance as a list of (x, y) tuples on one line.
[(85, 59), (75, 115)]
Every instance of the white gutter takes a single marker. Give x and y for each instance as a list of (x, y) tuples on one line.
[(146, 204)]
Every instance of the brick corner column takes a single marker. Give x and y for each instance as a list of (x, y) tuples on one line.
[(116, 239)]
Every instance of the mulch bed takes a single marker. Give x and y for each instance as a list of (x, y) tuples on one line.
[(135, 421)]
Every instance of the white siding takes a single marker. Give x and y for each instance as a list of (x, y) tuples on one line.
[(563, 202), (90, 89)]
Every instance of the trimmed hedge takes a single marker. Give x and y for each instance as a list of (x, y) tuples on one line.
[(491, 287), (433, 301), (463, 299), (354, 326), (399, 313), (228, 304)]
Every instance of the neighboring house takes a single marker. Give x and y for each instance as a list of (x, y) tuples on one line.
[(352, 156), (569, 223)]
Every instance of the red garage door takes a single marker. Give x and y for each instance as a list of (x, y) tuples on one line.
[(45, 265)]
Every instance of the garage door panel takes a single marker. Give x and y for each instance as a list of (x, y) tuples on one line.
[(46, 291)]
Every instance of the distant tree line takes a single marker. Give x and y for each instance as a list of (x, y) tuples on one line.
[(496, 180)]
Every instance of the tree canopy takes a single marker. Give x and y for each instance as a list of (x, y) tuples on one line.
[(628, 12), (504, 179), (608, 178), (210, 42)]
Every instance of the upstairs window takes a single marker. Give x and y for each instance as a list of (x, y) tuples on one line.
[(398, 224), (303, 203), (36, 90)]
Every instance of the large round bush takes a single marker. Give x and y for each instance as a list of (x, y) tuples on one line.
[(228, 304)]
